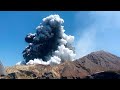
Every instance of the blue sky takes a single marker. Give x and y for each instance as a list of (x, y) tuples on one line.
[(92, 30)]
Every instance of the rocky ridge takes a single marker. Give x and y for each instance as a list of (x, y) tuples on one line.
[(83, 68)]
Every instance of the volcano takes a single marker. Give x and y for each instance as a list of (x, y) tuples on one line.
[(94, 64)]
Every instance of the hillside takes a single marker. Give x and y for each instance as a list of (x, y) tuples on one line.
[(90, 64)]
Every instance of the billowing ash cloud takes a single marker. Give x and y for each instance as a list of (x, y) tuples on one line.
[(50, 44)]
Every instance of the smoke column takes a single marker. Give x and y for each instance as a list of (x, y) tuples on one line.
[(2, 69), (50, 44)]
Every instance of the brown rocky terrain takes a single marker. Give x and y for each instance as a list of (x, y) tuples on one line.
[(86, 66), (104, 75)]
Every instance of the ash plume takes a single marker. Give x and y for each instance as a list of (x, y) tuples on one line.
[(2, 69), (49, 44)]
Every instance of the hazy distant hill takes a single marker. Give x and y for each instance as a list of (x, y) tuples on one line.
[(89, 65)]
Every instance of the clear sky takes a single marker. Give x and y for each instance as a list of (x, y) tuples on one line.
[(92, 30)]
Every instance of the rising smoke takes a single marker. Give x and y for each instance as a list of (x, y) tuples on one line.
[(50, 44)]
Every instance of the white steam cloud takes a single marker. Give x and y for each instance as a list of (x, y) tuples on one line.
[(99, 30)]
